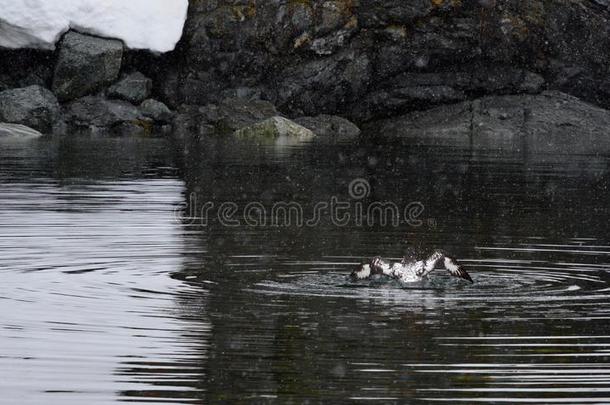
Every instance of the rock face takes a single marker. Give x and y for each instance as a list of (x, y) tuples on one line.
[(551, 122), (85, 64), (134, 88), (33, 106), (275, 127), (370, 58)]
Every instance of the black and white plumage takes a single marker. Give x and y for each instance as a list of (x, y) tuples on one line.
[(410, 270)]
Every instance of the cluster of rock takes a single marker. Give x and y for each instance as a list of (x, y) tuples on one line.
[(253, 117), (87, 93), (241, 64)]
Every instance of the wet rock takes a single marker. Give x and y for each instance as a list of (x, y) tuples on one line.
[(275, 127), (232, 114), (329, 126), (85, 65), (221, 118), (134, 88), (33, 106), (157, 111), (551, 122), (17, 131), (98, 112)]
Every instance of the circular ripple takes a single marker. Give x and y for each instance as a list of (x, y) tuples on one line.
[(519, 282)]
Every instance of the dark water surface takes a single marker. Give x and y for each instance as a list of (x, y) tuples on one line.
[(111, 292)]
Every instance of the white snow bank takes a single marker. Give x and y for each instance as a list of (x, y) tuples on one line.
[(17, 131), (142, 24)]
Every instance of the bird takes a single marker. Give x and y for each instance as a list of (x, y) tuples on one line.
[(409, 270)]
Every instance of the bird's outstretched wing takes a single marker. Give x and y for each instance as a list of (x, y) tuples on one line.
[(375, 267), (456, 269), (450, 264)]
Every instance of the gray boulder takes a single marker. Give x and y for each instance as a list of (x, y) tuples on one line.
[(329, 126), (33, 106), (85, 65), (275, 127), (551, 122), (95, 111), (17, 131), (134, 88), (232, 114), (157, 111)]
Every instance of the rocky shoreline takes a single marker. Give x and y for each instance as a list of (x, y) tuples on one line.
[(90, 93), (327, 66)]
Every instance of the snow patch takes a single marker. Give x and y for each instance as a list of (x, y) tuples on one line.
[(142, 24)]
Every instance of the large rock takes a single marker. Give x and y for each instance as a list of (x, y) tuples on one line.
[(134, 88), (85, 65), (331, 126), (33, 106), (551, 122), (225, 117), (222, 118), (275, 127), (98, 112), (356, 58)]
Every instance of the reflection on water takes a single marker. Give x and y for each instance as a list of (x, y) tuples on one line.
[(106, 297)]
